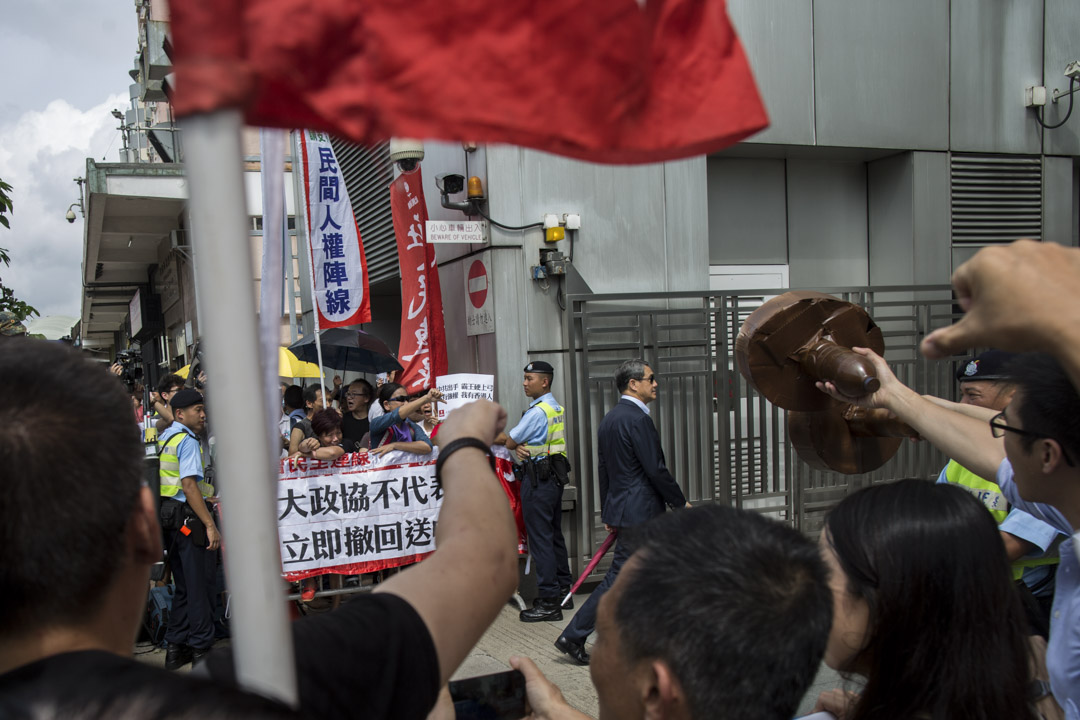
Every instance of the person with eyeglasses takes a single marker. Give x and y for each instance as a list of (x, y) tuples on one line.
[(393, 430), (635, 485), (1030, 543), (354, 421), (1031, 449)]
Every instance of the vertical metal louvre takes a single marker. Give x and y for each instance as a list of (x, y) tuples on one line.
[(368, 173), (995, 199)]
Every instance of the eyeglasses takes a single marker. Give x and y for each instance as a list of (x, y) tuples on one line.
[(998, 429), (399, 398), (648, 379)]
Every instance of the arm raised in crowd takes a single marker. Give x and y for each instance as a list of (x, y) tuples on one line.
[(461, 587), (1021, 297), (965, 439)]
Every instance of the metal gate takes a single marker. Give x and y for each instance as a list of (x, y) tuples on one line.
[(724, 441)]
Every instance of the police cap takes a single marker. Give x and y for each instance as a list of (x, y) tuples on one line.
[(990, 365), (185, 399), (539, 366)]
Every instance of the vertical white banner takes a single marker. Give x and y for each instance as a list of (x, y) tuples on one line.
[(337, 254)]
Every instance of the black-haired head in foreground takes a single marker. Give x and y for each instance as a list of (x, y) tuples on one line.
[(925, 566), (736, 606), (64, 514)]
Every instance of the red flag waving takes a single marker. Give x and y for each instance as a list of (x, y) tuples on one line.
[(605, 81)]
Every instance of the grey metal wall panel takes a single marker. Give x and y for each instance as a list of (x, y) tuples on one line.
[(995, 52), (931, 218), (1062, 47), (778, 38), (621, 245), (747, 211), (460, 347), (1058, 198), (827, 224), (881, 73), (686, 231), (890, 212)]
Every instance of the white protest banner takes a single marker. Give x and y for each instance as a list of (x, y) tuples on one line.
[(337, 253), (462, 388), (363, 513)]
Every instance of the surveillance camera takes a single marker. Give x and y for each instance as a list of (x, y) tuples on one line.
[(70, 216), (450, 183), (406, 152), (1072, 70)]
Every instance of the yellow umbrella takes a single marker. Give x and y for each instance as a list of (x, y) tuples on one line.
[(291, 366), (288, 366)]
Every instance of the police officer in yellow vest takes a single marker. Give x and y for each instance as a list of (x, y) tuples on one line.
[(191, 534), (1030, 543), (543, 470)]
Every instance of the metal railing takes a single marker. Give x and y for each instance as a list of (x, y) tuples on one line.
[(723, 440)]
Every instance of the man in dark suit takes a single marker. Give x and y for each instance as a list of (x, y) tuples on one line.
[(635, 485)]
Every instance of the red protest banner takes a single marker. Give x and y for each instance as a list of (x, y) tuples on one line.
[(422, 352), (608, 81), (338, 265)]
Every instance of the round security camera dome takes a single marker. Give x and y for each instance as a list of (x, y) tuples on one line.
[(406, 149)]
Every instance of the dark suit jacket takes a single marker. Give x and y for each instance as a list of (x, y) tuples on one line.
[(634, 481)]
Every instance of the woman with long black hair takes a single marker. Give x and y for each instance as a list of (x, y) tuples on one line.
[(924, 608)]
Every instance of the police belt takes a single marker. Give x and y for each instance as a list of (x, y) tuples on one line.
[(544, 468)]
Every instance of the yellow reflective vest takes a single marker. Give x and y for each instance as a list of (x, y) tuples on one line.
[(990, 495), (169, 467), (555, 441)]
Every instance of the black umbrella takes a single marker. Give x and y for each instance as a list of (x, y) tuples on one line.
[(344, 349)]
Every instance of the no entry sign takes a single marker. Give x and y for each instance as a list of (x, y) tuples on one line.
[(478, 284), (479, 313)]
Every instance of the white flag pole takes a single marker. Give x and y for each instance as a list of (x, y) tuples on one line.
[(298, 152), (262, 644), (272, 174)]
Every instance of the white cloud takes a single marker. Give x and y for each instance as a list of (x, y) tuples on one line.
[(40, 154)]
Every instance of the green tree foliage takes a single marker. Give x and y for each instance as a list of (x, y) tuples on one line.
[(8, 301)]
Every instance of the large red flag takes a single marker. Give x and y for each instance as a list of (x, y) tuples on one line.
[(422, 349), (600, 80)]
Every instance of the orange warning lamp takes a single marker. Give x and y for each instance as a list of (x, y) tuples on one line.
[(476, 188)]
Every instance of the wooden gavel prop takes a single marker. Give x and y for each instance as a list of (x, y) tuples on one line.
[(799, 338)]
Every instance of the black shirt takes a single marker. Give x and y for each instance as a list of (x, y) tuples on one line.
[(353, 431), (372, 658)]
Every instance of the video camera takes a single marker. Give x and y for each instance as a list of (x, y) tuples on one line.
[(131, 372), (196, 368)]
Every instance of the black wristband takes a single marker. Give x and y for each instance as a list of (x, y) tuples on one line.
[(453, 446)]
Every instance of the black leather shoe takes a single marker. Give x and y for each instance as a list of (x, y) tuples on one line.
[(543, 609), (574, 650), (198, 655), (569, 604), (177, 656)]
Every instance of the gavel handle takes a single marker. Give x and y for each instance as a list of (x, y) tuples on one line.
[(851, 373), (877, 422)]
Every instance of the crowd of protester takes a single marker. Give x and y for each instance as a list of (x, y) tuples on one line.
[(717, 612)]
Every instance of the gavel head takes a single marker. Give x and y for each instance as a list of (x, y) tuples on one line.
[(800, 337), (845, 438)]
